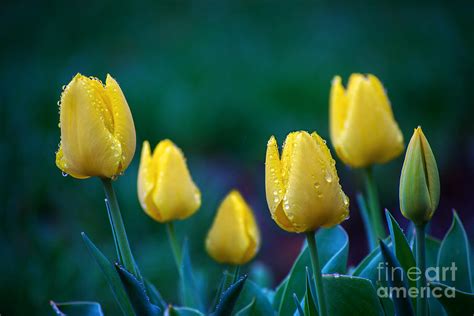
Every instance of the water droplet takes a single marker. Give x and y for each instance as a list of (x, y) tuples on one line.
[(345, 199), (276, 200), (316, 185), (64, 174), (328, 177), (64, 87)]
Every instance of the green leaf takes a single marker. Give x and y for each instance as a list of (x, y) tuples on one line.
[(136, 292), (364, 211), (189, 291), (182, 311), (279, 291), (155, 296), (401, 249), (403, 305), (333, 250), (368, 267), (299, 310), (309, 301), (77, 309), (455, 302), (225, 282), (229, 298), (454, 250), (111, 275), (350, 295), (249, 310), (250, 292)]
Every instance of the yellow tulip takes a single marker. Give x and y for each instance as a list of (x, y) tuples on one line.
[(97, 130), (363, 129), (234, 236), (302, 187), (419, 180), (165, 188)]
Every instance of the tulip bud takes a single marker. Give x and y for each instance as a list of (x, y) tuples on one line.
[(419, 181), (302, 188), (363, 129), (97, 130), (234, 236), (165, 188)]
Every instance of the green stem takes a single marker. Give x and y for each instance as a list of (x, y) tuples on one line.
[(372, 240), (174, 245), (421, 264), (318, 279), (374, 205), (236, 273), (124, 253)]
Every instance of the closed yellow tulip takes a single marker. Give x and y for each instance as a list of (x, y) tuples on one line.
[(165, 188), (302, 187), (234, 236), (363, 128), (419, 181), (97, 130)]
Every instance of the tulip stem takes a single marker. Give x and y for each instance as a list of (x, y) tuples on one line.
[(236, 273), (374, 204), (124, 253), (421, 264), (174, 244), (318, 279)]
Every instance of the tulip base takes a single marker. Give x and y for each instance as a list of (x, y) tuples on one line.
[(318, 279)]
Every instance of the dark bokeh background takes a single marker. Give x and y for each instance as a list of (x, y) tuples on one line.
[(218, 79)]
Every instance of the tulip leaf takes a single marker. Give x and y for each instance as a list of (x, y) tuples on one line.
[(454, 301), (155, 295), (349, 295), (229, 298), (280, 290), (397, 280), (77, 309), (309, 301), (182, 311), (401, 249), (189, 291), (368, 267), (333, 247), (299, 309), (454, 255), (249, 310), (111, 275), (225, 282), (252, 292), (136, 292)]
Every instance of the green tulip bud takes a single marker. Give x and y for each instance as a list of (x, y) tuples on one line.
[(419, 181)]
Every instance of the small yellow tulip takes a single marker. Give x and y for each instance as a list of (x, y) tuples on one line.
[(363, 129), (234, 236), (97, 130), (419, 181), (302, 188), (165, 188)]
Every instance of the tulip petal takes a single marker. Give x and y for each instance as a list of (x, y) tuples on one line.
[(233, 237), (175, 194), (274, 185), (124, 128), (338, 108), (431, 170), (370, 134), (146, 182), (88, 147)]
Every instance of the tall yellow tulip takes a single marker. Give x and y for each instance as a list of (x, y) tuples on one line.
[(363, 128), (302, 187), (165, 188), (97, 130), (234, 236)]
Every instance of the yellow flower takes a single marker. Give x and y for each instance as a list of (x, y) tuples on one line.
[(363, 129), (97, 130), (165, 188), (419, 181), (234, 236), (303, 190)]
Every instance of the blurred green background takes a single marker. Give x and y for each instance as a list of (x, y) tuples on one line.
[(218, 79)]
